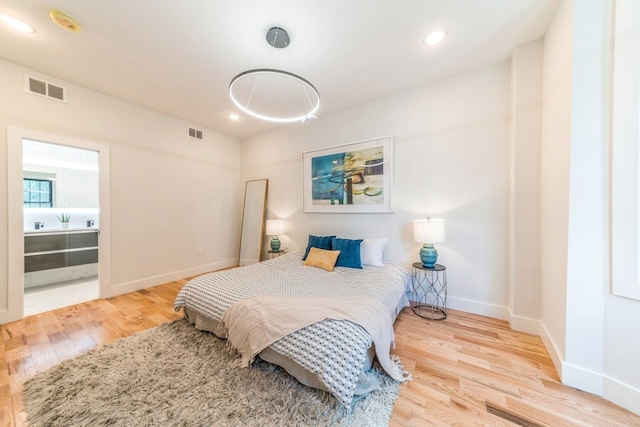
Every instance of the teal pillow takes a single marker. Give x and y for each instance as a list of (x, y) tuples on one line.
[(349, 252), (320, 242)]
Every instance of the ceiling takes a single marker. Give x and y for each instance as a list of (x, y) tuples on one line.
[(178, 57)]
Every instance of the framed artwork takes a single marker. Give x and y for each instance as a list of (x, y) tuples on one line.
[(350, 178)]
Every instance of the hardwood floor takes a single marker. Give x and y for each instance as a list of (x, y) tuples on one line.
[(474, 370), (467, 369), (37, 342)]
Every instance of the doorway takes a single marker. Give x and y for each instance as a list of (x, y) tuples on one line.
[(61, 207), (58, 206)]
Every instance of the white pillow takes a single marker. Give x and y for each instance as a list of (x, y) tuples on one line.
[(371, 251)]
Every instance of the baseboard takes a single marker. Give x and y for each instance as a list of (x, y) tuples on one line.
[(524, 324), (593, 382), (4, 316), (552, 349), (596, 383), (147, 282), (517, 323), (480, 308), (622, 394), (582, 379)]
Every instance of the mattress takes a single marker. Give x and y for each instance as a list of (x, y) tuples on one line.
[(331, 354)]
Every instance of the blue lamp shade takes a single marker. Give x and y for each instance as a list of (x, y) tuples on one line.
[(275, 227), (428, 231)]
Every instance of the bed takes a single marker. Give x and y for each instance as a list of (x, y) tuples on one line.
[(332, 355)]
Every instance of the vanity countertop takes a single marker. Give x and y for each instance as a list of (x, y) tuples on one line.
[(61, 230)]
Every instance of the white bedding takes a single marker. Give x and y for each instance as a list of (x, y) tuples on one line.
[(334, 350)]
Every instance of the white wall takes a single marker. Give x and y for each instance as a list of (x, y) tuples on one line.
[(622, 315), (526, 128), (451, 161), (590, 333), (588, 237), (554, 186), (622, 352), (169, 194), (80, 189), (625, 132)]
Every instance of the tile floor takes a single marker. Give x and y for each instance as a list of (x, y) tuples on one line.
[(57, 295)]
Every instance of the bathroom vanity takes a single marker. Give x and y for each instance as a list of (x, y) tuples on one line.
[(52, 256)]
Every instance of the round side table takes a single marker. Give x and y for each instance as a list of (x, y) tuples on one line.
[(274, 254), (429, 291)]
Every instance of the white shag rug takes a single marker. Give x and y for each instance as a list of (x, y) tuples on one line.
[(175, 375)]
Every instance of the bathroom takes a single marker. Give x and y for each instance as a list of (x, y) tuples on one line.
[(61, 225)]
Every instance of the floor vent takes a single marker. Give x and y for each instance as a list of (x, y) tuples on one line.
[(194, 133), (46, 89)]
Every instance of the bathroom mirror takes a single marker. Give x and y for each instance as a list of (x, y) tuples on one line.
[(252, 233), (57, 176)]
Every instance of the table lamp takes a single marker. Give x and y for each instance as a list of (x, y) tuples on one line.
[(428, 231), (275, 227)]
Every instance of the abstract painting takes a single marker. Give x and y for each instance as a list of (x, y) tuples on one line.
[(351, 178)]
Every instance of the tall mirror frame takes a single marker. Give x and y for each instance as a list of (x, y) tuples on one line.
[(253, 221)]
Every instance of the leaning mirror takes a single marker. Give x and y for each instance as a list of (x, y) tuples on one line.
[(252, 233)]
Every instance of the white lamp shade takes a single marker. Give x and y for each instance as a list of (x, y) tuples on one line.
[(275, 227), (429, 230)]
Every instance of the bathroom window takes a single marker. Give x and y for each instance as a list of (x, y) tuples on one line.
[(38, 193)]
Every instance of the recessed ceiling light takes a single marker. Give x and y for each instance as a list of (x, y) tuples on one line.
[(16, 24), (435, 37), (233, 116)]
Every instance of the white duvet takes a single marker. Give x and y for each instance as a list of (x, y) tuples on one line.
[(334, 350)]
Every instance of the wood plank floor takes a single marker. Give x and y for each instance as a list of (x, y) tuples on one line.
[(467, 369)]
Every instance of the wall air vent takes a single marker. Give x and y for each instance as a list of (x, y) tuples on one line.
[(194, 133), (46, 89)]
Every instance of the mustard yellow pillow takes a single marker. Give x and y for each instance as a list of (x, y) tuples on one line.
[(322, 258)]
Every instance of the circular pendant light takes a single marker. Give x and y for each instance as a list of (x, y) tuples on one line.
[(275, 95)]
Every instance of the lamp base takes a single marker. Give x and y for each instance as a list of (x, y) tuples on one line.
[(275, 243), (428, 255)]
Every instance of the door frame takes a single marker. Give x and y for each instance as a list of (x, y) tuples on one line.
[(15, 267)]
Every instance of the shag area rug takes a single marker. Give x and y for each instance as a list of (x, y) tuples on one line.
[(175, 375)]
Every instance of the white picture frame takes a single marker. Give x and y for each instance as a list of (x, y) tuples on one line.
[(349, 178)]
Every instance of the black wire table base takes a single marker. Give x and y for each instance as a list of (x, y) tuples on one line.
[(429, 291), (430, 312)]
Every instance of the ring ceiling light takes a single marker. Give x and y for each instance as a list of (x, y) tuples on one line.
[(275, 95)]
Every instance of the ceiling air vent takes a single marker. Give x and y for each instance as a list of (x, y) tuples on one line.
[(46, 89), (194, 133)]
